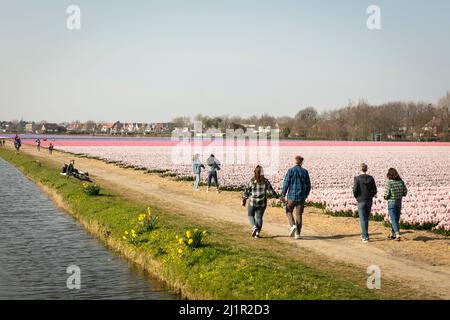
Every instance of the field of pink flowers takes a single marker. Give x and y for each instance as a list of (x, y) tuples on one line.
[(425, 168)]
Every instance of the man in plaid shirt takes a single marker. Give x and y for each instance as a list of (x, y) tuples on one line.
[(296, 186)]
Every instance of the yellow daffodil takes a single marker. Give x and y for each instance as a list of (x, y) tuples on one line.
[(195, 230), (189, 234), (204, 232), (190, 241), (180, 251), (124, 238), (180, 241), (176, 237), (126, 232), (149, 211)]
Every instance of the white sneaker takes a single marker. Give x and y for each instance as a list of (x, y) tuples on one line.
[(207, 190), (254, 232), (365, 240), (292, 231), (298, 236), (257, 234)]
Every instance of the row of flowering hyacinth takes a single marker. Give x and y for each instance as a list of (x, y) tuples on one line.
[(425, 170)]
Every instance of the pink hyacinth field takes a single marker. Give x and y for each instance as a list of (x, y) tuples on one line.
[(425, 168)]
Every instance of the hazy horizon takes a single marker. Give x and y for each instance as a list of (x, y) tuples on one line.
[(154, 60)]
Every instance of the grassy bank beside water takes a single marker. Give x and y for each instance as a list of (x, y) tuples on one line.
[(222, 268)]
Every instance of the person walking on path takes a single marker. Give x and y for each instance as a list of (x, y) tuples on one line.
[(364, 189), (296, 187), (256, 191), (394, 191), (50, 148), (38, 144), (214, 166), (197, 170), (17, 142)]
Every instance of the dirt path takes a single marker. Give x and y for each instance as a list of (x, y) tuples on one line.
[(421, 260)]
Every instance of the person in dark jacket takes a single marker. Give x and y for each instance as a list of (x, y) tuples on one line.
[(364, 189)]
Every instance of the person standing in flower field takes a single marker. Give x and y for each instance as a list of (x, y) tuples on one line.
[(214, 166), (364, 189), (197, 170), (50, 148), (296, 187), (394, 191), (256, 191)]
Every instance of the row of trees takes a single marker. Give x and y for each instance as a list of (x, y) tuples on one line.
[(357, 121)]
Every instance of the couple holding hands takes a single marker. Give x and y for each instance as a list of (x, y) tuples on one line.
[(296, 188)]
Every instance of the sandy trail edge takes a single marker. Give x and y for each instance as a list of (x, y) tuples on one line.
[(175, 195)]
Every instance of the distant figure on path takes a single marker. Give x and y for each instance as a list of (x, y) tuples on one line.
[(214, 166), (17, 142), (38, 144), (394, 191), (256, 191), (364, 189), (50, 148), (197, 170), (296, 186)]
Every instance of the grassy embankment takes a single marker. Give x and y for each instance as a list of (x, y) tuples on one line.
[(220, 269)]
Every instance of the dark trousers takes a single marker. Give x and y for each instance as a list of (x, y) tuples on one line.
[(213, 175), (298, 206)]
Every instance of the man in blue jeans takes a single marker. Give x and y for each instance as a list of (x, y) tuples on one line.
[(214, 166), (296, 186), (364, 189)]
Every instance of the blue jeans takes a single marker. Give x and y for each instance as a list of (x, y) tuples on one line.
[(213, 175), (364, 208), (255, 216), (394, 209), (197, 180)]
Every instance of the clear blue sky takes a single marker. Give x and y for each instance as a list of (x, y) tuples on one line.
[(152, 60)]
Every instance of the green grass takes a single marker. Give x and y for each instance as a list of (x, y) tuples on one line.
[(220, 269)]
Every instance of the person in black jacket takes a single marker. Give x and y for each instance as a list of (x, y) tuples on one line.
[(364, 189)]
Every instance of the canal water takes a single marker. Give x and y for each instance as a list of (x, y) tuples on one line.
[(38, 242)]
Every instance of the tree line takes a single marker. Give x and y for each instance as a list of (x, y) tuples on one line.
[(356, 121)]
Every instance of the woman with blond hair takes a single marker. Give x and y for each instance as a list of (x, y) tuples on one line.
[(197, 170), (256, 191), (395, 190)]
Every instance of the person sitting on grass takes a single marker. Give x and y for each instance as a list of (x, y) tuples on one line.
[(256, 191), (71, 170)]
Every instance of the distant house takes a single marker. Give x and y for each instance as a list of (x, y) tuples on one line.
[(434, 127), (105, 128), (29, 128), (73, 127), (116, 128), (51, 128), (164, 127)]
